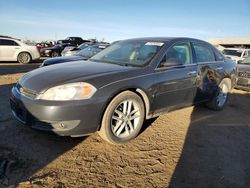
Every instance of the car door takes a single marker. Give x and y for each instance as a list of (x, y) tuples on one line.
[(210, 71), (8, 49), (176, 78)]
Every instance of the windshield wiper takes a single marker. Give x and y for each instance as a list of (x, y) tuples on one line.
[(111, 62)]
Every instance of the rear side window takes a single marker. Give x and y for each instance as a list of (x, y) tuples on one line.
[(219, 56), (203, 53), (5, 42)]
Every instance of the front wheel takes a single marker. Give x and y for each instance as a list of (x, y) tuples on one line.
[(24, 58), (123, 118), (54, 54), (220, 99)]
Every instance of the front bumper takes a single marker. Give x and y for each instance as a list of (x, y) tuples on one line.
[(243, 83), (65, 118)]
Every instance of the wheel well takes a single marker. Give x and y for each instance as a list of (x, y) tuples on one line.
[(137, 91)]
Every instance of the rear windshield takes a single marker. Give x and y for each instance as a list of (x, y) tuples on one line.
[(232, 52), (246, 61)]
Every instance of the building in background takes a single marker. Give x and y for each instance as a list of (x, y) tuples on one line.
[(235, 48), (230, 42)]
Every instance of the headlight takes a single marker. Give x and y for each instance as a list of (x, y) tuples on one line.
[(47, 51), (67, 54), (72, 91)]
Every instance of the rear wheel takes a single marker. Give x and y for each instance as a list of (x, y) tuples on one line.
[(220, 99), (24, 58), (123, 118)]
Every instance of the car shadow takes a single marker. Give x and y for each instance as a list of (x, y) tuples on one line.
[(24, 151), (216, 150), (17, 68), (215, 153), (147, 124)]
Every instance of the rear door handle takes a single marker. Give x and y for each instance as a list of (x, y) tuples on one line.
[(192, 73), (219, 68)]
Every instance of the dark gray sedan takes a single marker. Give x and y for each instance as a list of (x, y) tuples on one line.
[(117, 89)]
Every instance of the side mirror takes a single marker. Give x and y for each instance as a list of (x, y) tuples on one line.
[(240, 62), (170, 62)]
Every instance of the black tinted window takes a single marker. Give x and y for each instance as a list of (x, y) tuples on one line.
[(5, 42), (179, 53), (203, 53), (219, 56)]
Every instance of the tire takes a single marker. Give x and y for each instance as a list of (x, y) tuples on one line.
[(54, 54), (123, 118), (24, 58), (220, 98)]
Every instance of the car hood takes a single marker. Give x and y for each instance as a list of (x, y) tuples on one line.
[(43, 78), (56, 60)]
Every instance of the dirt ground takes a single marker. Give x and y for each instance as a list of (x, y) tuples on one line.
[(192, 147)]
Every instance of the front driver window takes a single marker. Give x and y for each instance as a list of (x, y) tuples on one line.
[(179, 53)]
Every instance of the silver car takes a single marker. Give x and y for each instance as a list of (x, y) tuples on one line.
[(72, 50)]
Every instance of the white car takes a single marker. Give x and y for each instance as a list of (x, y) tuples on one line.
[(14, 50), (236, 54)]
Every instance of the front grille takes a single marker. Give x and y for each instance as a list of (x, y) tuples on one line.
[(26, 92), (244, 74), (243, 82)]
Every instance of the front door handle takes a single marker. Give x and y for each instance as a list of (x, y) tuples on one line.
[(192, 73)]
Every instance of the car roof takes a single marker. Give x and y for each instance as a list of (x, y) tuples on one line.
[(164, 39), (9, 38)]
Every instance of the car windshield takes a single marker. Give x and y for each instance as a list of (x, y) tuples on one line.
[(232, 52), (90, 51), (135, 53), (246, 61), (82, 46)]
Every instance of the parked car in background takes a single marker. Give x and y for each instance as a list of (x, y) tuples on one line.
[(53, 51), (14, 50), (63, 42), (243, 74), (76, 41), (42, 45), (56, 50), (80, 55), (71, 50), (236, 54), (115, 90)]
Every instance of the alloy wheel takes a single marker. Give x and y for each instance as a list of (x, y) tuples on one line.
[(23, 58), (222, 95), (125, 118)]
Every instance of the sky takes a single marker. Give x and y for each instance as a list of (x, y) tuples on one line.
[(120, 19)]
